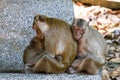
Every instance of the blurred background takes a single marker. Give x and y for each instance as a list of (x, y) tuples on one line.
[(104, 16)]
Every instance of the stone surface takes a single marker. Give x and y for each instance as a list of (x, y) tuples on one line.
[(5, 76), (16, 17)]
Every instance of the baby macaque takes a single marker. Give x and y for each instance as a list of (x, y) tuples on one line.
[(92, 48), (60, 48), (33, 52)]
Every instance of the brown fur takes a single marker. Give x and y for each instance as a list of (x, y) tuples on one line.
[(33, 52), (60, 47), (92, 48)]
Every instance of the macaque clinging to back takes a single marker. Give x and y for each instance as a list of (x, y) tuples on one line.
[(92, 48)]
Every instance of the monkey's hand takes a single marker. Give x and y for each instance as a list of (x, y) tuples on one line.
[(74, 66), (28, 68), (71, 70), (58, 58), (76, 63), (81, 55)]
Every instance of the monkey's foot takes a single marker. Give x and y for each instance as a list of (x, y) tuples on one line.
[(71, 70)]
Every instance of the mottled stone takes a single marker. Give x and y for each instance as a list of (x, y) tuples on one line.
[(16, 17), (48, 77)]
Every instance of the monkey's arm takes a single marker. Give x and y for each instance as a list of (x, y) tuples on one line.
[(30, 56), (49, 64)]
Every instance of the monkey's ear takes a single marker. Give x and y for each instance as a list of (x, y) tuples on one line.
[(82, 23), (41, 18), (73, 20)]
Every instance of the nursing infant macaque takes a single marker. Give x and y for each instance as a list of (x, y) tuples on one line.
[(33, 53), (92, 48), (57, 51)]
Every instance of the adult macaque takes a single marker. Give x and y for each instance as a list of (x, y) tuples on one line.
[(92, 48), (60, 47)]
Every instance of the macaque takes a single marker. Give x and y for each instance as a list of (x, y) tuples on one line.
[(33, 52), (92, 48), (60, 49)]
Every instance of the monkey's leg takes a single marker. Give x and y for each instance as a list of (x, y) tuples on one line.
[(31, 64), (89, 65), (75, 64), (49, 64)]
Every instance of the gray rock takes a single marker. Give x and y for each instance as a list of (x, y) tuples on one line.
[(16, 19)]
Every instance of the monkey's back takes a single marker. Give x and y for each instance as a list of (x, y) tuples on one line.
[(63, 42), (100, 46)]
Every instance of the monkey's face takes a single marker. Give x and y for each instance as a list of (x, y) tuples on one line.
[(38, 44), (78, 32), (40, 23)]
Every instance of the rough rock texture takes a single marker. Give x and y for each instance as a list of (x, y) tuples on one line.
[(16, 17), (5, 76)]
